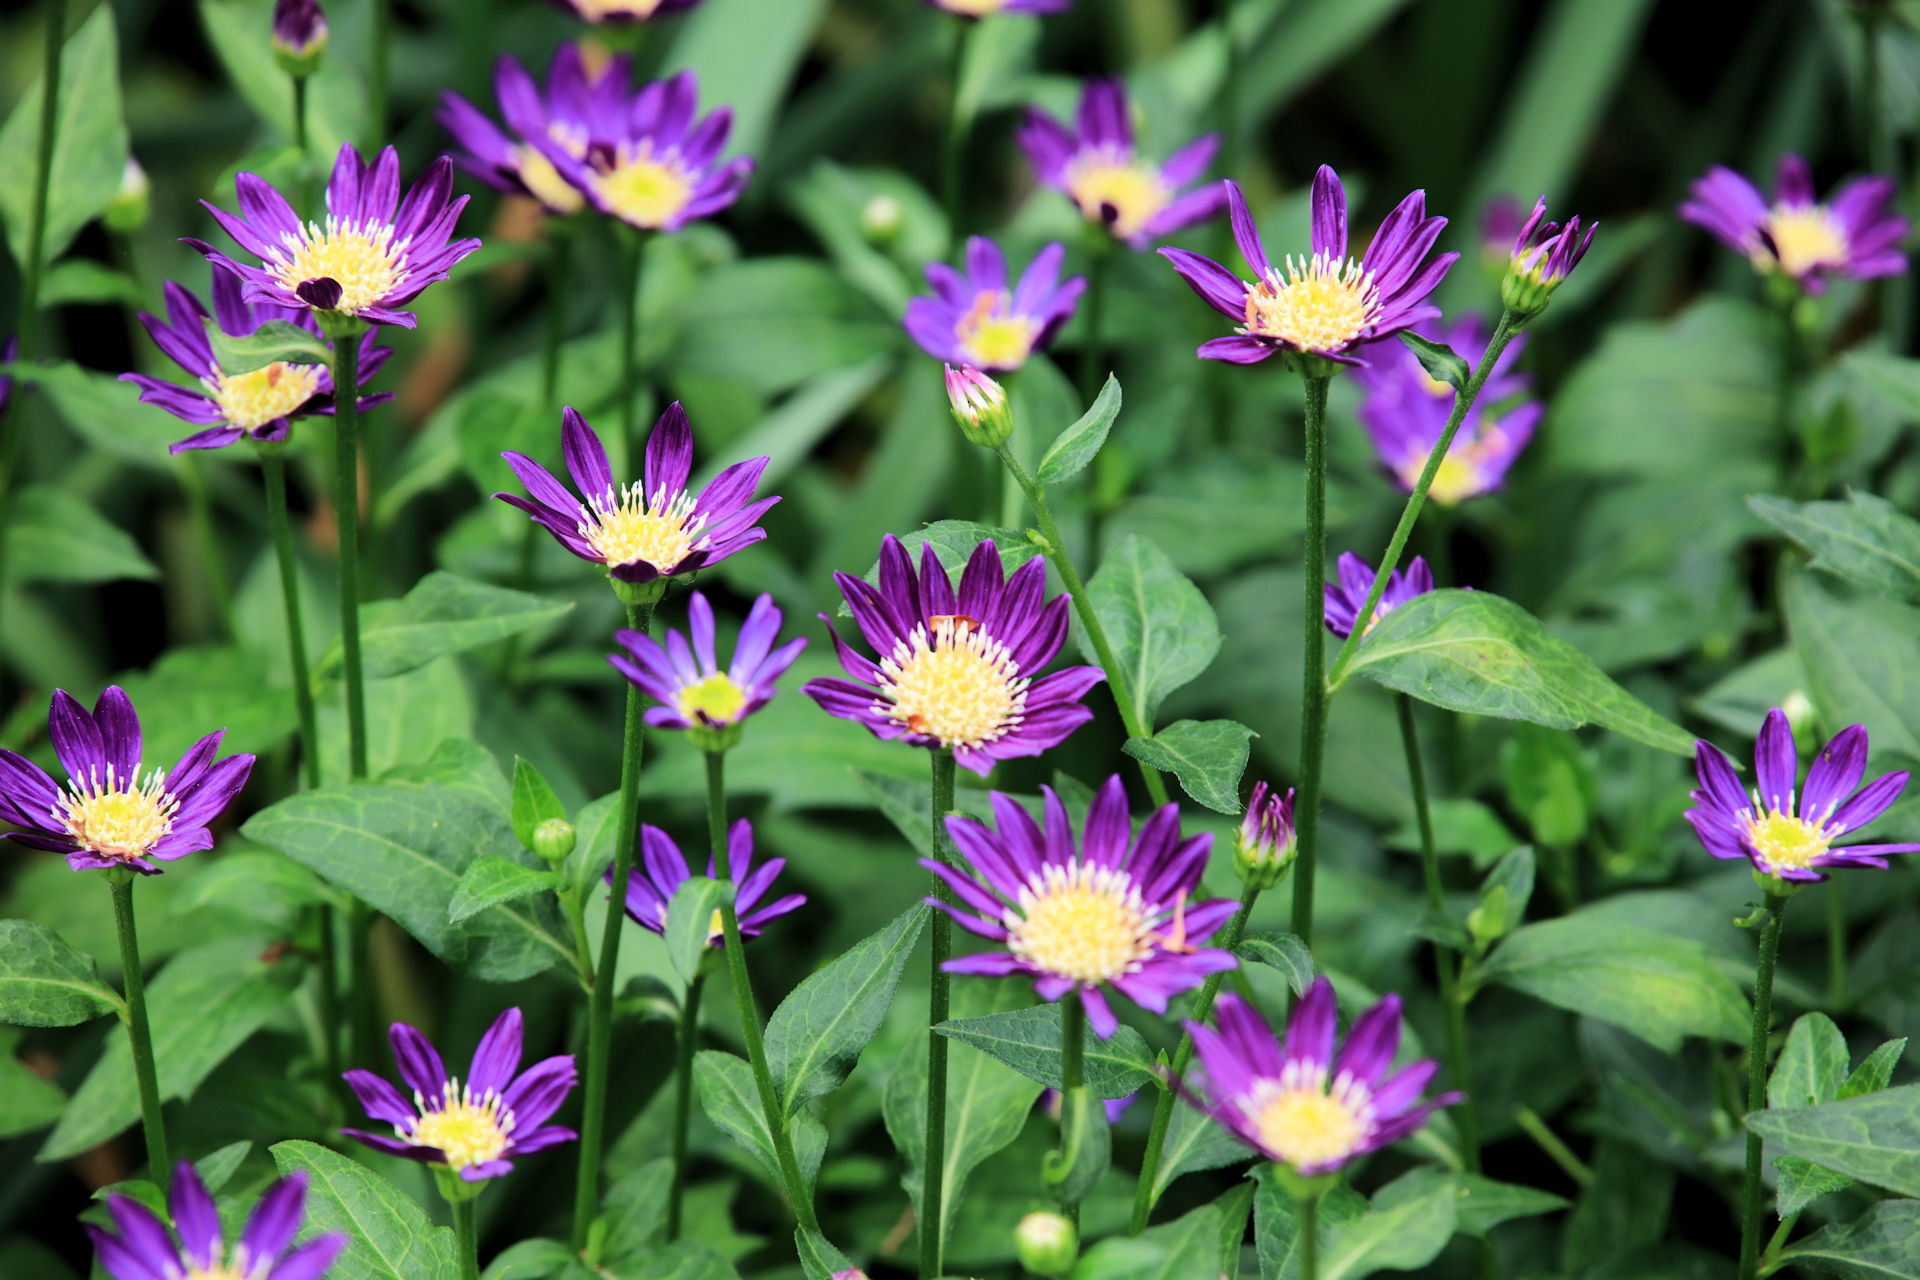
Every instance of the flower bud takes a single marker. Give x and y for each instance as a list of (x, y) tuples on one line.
[(1266, 845), (980, 407), (1049, 1246), (554, 839), (1543, 255), (127, 211), (1798, 709), (299, 36), (882, 220)]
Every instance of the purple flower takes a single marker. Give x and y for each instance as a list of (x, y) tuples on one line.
[(1115, 187), (663, 869), (1544, 253), (973, 319), (470, 1128), (1112, 912), (256, 405), (1266, 845), (986, 8), (1856, 234), (1346, 597), (653, 529), (658, 168), (299, 29), (1404, 409), (146, 1250), (1323, 304), (110, 814), (9, 352), (577, 109), (955, 671), (1768, 830), (686, 680), (620, 12), (374, 253), (1299, 1106)]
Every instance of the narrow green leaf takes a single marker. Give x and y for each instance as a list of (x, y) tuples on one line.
[(1208, 756), (1438, 359), (388, 1236), (1881, 1244), (1075, 447), (732, 1101), (443, 614), (57, 536), (491, 880), (534, 802), (47, 982), (1875, 1070), (691, 917), (1196, 1141), (1028, 1040), (1865, 539), (1481, 1204), (818, 1258), (276, 341), (1282, 951), (90, 142), (1162, 629), (816, 1035)]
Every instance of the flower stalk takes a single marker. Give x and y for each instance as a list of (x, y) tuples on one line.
[(273, 469), (634, 261), (466, 1237), (1754, 1196), (159, 1167), (1073, 1092), (1313, 677), (940, 944), (683, 1100)]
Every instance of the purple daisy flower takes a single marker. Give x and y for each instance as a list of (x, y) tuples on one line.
[(470, 1128), (1405, 409), (1265, 847), (974, 319), (1766, 828), (1109, 912), (110, 814), (955, 670), (1323, 304), (1856, 234), (1543, 255), (663, 869), (256, 405), (1299, 1106), (146, 1250), (659, 167), (1347, 596), (577, 109), (1115, 187), (618, 12), (653, 529), (374, 253), (987, 8), (686, 680)]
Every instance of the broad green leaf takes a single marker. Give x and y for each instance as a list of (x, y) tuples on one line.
[(1659, 987), (1405, 1227), (1188, 1248), (1208, 756), (55, 536), (107, 413), (1028, 1040), (1875, 1070), (1858, 659), (816, 1035), (635, 1208), (1812, 1064), (1475, 652), (1196, 1141), (532, 1260), (751, 76), (1481, 1204), (274, 342), (1801, 1182), (1460, 826), (491, 880), (1162, 629), (263, 884), (47, 982), (388, 1236), (1865, 539), (90, 141), (1075, 447), (336, 100), (85, 282), (193, 690), (685, 1260), (1895, 375), (203, 1005), (1282, 951), (691, 917), (27, 1102), (533, 802), (770, 324), (1881, 1244), (1874, 1138), (732, 1101), (1438, 359), (443, 614)]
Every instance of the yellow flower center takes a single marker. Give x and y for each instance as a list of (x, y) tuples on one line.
[(1785, 842), (1805, 238), (713, 699), (466, 1132), (993, 337), (1082, 921), (120, 817), (1435, 387), (716, 926), (1132, 190), (1314, 304), (548, 187), (364, 261), (238, 1267), (960, 686), (973, 8), (1463, 472), (644, 189), (1305, 1124), (250, 400), (600, 10), (658, 531)]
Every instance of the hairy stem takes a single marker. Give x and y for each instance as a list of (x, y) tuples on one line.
[(1313, 670), (159, 1167), (683, 1100), (1755, 1192), (940, 944)]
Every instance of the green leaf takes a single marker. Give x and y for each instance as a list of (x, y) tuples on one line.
[(47, 982), (1865, 539), (1028, 1040), (1405, 1227), (732, 1101), (818, 1258), (1208, 756), (1881, 1244), (90, 141), (195, 689), (635, 1208), (27, 1102), (1075, 1167), (1075, 447), (816, 1035), (1460, 826), (203, 1005), (1874, 1138), (443, 614), (84, 282), (1812, 1064), (1659, 987), (1188, 1248), (690, 917), (1481, 1204), (1438, 359), (1475, 652), (265, 885), (532, 1260), (1282, 951), (273, 342), (1162, 629), (56, 536), (685, 1261), (1858, 659), (1875, 1070), (388, 1237), (1196, 1141), (1802, 1182), (534, 802), (491, 880)]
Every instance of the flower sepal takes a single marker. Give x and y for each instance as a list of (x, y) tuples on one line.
[(635, 594), (1774, 886), (338, 325), (1311, 366), (717, 739), (120, 875), (455, 1189), (1301, 1188)]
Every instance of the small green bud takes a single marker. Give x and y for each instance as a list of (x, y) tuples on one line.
[(980, 406), (299, 36), (882, 221), (554, 839), (1049, 1246), (127, 211)]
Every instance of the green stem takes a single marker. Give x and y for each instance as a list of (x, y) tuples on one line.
[(1769, 1257), (1755, 1195), (1313, 669), (466, 1238), (1503, 333), (300, 115), (273, 470), (1073, 1093), (213, 559), (378, 67), (159, 1167), (1549, 1141), (798, 1193), (593, 1111), (346, 514), (1228, 939), (362, 1021), (953, 149), (1310, 1238), (328, 964), (933, 1222), (1836, 946), (634, 265), (1132, 716), (683, 1101)]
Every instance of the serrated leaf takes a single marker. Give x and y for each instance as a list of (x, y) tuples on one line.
[(690, 920), (1874, 1138), (46, 981), (443, 614), (1282, 951), (1028, 1040), (1075, 447), (491, 880), (816, 1035), (1162, 630), (1801, 1182), (274, 342), (534, 802), (818, 1258), (1208, 756), (1438, 359), (1881, 1244), (1865, 539), (90, 141), (1875, 1070), (388, 1237)]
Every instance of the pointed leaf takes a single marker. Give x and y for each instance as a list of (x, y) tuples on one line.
[(1208, 756), (1865, 539), (388, 1236), (443, 614), (1282, 951), (1875, 1138), (1162, 630), (491, 880), (47, 982), (691, 917), (274, 342), (90, 141), (1075, 447), (1438, 359), (534, 802), (1028, 1040), (1881, 1244), (817, 1033), (57, 536), (732, 1101)]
